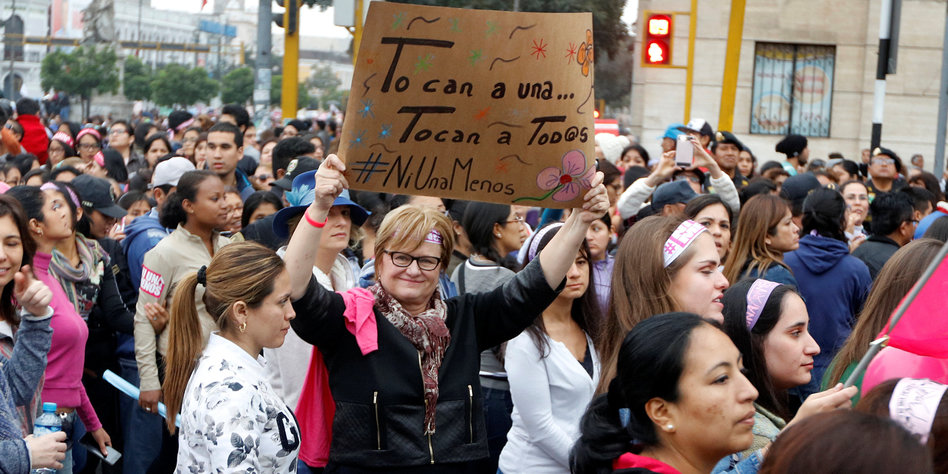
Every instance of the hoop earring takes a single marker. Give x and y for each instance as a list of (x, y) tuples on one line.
[(243, 327)]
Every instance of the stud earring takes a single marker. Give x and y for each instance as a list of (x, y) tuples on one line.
[(670, 427), (497, 235)]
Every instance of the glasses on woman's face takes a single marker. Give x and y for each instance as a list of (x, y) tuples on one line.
[(403, 260), (518, 219), (52, 150), (88, 146)]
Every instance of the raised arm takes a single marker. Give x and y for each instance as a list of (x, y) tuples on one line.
[(301, 251)]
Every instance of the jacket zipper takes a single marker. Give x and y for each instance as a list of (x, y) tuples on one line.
[(470, 413), (422, 371), (378, 431)]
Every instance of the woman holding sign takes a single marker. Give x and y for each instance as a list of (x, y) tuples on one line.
[(403, 363)]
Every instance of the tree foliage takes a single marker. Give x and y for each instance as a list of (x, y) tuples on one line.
[(82, 72), (138, 77), (177, 84), (608, 29), (237, 86), (276, 92), (614, 77), (325, 88)]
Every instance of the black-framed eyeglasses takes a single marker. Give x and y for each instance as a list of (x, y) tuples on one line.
[(403, 260)]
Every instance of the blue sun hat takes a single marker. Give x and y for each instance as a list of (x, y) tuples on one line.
[(302, 195)]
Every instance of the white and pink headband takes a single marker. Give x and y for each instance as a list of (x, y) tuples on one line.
[(684, 235), (434, 237), (914, 404), (757, 298)]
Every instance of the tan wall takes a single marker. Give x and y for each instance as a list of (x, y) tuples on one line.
[(850, 25)]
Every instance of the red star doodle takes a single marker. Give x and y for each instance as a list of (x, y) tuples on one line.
[(501, 167), (539, 49), (481, 114), (571, 53)]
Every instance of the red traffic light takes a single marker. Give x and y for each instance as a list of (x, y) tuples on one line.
[(656, 49)]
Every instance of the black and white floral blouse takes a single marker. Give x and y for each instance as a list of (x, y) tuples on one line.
[(231, 419)]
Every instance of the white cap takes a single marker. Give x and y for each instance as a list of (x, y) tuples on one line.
[(170, 171)]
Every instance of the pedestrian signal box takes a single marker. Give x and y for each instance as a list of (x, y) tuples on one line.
[(657, 47)]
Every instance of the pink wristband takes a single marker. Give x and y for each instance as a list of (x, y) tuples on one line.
[(318, 225)]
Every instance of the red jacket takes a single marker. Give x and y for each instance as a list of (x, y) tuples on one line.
[(34, 140)]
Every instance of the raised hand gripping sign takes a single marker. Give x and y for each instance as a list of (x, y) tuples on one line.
[(472, 104)]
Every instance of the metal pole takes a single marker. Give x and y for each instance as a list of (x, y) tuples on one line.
[(882, 66), (262, 78), (690, 72), (942, 107), (139, 48), (732, 60), (8, 46)]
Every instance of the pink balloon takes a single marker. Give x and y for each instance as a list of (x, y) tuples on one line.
[(892, 363)]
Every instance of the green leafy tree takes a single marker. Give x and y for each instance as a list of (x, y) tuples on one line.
[(237, 86), (276, 92), (608, 29), (325, 85), (138, 77), (177, 84), (83, 72)]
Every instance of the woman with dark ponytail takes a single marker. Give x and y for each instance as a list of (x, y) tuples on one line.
[(679, 378), (195, 210), (833, 283)]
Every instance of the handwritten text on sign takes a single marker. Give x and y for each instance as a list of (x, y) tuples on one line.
[(472, 104)]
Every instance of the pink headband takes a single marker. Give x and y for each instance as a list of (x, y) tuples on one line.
[(88, 131), (914, 404), (757, 298), (187, 123), (64, 137), (683, 236), (537, 237), (434, 237), (53, 187)]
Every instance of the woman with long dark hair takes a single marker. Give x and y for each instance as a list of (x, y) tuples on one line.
[(833, 283), (765, 231), (688, 403), (553, 370), (25, 315)]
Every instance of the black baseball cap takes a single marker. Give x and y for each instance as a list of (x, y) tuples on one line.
[(97, 194), (296, 167)]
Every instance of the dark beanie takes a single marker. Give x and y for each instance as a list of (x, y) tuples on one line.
[(176, 118), (791, 145)]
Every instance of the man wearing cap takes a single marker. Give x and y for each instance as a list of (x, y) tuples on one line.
[(284, 153), (795, 190), (700, 129), (670, 138), (670, 199), (726, 150), (884, 169), (795, 147)]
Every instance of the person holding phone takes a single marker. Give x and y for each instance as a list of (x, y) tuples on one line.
[(631, 200)]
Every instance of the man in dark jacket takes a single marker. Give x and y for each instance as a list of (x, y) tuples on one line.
[(893, 225), (34, 140)]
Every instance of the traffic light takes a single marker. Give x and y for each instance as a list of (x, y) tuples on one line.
[(289, 18), (657, 48)]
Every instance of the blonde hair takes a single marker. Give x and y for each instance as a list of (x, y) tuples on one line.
[(242, 271), (759, 218), (406, 228), (641, 286)]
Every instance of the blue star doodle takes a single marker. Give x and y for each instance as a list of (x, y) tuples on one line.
[(366, 110), (359, 140), (385, 132)]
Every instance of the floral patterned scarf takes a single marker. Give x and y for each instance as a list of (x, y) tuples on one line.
[(428, 333)]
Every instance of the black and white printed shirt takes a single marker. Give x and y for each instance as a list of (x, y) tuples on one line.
[(231, 419)]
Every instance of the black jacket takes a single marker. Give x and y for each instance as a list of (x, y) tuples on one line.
[(379, 420), (875, 251)]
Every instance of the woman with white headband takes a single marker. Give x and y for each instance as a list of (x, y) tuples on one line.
[(768, 323), (663, 265), (920, 406), (403, 363)]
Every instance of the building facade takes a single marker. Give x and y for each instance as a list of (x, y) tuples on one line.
[(806, 67)]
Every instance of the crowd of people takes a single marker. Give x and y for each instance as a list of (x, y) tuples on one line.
[(685, 319)]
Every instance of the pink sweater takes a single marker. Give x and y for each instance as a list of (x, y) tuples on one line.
[(67, 354)]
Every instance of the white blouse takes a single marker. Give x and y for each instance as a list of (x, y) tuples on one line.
[(550, 396), (231, 419)]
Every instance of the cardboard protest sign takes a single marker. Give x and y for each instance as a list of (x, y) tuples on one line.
[(472, 104)]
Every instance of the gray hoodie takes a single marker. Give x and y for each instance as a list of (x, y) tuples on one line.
[(19, 377)]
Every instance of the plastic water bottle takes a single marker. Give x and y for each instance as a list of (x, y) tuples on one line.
[(48, 422)]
